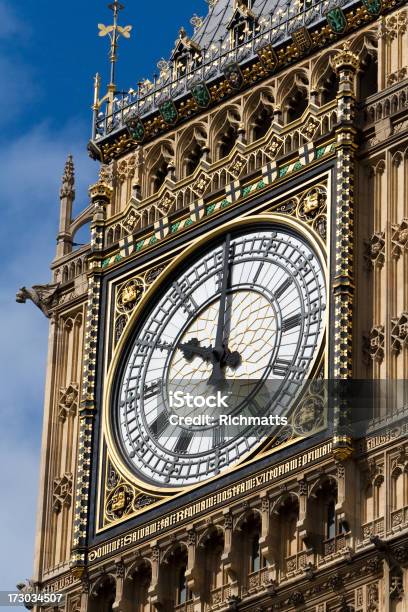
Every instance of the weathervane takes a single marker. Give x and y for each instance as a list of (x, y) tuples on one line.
[(114, 32)]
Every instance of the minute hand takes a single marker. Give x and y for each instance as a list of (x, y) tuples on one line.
[(219, 341), (217, 377)]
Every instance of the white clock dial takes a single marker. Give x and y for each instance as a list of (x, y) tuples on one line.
[(248, 310)]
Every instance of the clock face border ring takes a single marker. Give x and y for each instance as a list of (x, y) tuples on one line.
[(295, 226)]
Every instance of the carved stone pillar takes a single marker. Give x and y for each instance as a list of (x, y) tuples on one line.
[(227, 557), (154, 585), (119, 604), (85, 589), (346, 64), (100, 197), (264, 540), (191, 577), (67, 197)]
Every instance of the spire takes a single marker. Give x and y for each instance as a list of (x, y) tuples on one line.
[(114, 32), (68, 179), (67, 197)]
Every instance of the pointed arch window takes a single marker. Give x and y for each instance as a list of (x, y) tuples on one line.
[(331, 520), (296, 104), (262, 122), (368, 76), (183, 592), (255, 564), (159, 176), (329, 87)]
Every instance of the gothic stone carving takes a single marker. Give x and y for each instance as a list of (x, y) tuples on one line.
[(237, 165), (68, 403), (399, 333), (374, 344), (375, 250), (202, 184), (399, 238), (43, 296), (62, 492)]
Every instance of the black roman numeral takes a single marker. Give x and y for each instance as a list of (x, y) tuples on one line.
[(152, 389), (183, 442), (292, 322), (281, 367), (218, 436), (284, 286), (160, 424)]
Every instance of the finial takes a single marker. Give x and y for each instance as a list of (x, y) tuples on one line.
[(68, 179), (182, 32), (196, 22), (114, 32)]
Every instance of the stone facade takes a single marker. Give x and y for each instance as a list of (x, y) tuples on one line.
[(330, 532)]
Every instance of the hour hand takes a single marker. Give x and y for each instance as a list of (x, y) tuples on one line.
[(193, 349)]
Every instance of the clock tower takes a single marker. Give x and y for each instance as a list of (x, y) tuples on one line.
[(245, 277)]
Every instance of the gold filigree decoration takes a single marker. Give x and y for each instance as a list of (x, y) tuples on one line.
[(201, 185), (310, 207), (128, 296), (237, 165), (274, 146), (310, 128), (122, 499)]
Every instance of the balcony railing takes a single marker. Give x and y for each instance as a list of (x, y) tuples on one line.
[(399, 518), (272, 29), (220, 595), (372, 528), (295, 563), (188, 606), (335, 545)]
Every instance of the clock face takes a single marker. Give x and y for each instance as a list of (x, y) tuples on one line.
[(245, 316)]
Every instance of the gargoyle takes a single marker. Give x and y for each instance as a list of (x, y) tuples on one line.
[(41, 295)]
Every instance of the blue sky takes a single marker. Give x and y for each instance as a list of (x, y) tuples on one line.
[(49, 53)]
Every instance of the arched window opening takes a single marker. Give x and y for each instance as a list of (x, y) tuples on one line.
[(325, 525), (368, 505), (331, 520), (192, 160), (328, 87), (379, 500), (103, 596), (296, 104), (136, 588), (183, 593), (255, 559), (210, 567), (368, 77), (227, 141), (262, 122), (399, 486), (159, 176), (287, 540), (173, 587)]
